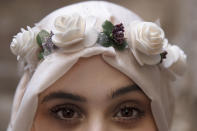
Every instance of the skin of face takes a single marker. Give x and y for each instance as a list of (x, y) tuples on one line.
[(93, 96)]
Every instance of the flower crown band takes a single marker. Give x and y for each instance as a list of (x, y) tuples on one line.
[(146, 41)]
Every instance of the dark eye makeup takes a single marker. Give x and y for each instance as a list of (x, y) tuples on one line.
[(68, 112), (126, 112)]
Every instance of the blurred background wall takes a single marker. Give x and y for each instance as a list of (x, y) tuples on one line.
[(178, 19)]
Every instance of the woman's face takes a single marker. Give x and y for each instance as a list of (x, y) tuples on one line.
[(93, 96)]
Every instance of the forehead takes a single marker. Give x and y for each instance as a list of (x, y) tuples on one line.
[(90, 76)]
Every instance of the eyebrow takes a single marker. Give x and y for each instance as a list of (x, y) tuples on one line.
[(77, 98), (125, 90), (64, 95)]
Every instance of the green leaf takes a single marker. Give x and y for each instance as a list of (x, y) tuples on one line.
[(120, 47), (42, 37), (104, 40), (41, 55), (107, 27)]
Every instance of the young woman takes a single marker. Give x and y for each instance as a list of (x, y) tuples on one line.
[(94, 66)]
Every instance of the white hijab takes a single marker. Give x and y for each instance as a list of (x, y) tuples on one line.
[(39, 75)]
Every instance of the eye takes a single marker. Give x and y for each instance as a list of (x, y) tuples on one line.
[(67, 112), (128, 112)]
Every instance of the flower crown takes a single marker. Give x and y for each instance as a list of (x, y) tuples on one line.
[(146, 41)]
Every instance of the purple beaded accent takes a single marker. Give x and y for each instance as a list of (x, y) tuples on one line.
[(118, 33), (49, 45), (163, 56)]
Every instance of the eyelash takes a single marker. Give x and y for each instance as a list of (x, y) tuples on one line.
[(134, 113), (59, 112), (76, 114)]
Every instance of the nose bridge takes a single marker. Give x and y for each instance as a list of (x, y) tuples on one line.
[(96, 122)]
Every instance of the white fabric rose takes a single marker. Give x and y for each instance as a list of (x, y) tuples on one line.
[(69, 30), (24, 46), (90, 37), (175, 60), (73, 33), (24, 42), (147, 42)]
